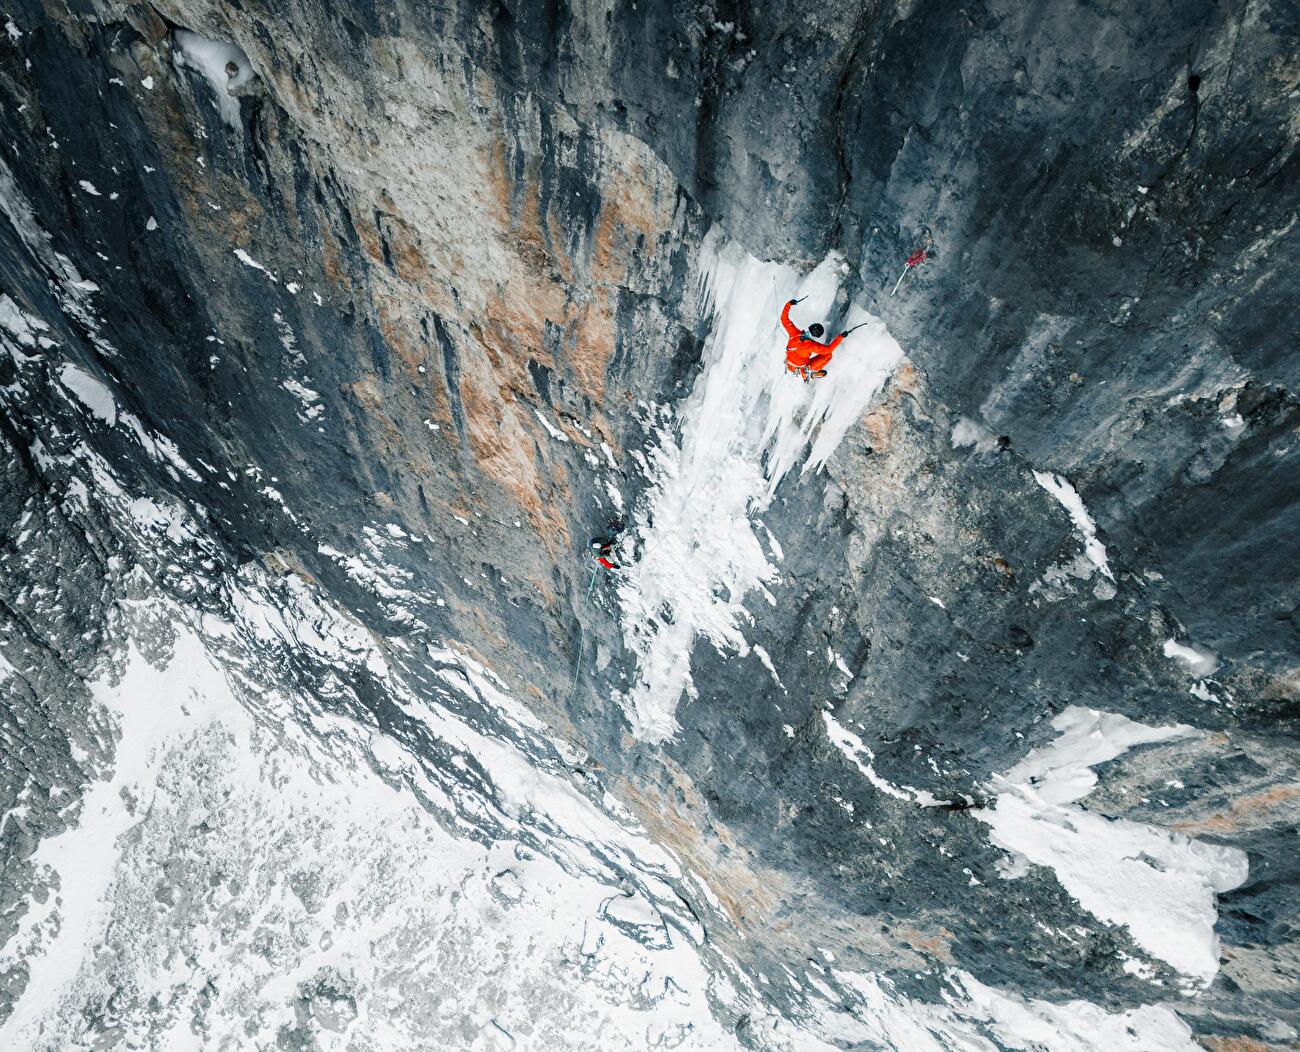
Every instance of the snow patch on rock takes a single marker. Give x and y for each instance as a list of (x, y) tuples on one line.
[(1069, 499), (1197, 660), (225, 67), (1159, 883), (90, 392)]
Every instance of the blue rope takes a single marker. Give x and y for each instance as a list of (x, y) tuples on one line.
[(582, 636)]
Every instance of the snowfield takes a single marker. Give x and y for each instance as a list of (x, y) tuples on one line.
[(298, 879), (236, 870)]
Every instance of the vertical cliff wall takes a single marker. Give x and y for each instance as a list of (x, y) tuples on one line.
[(333, 333)]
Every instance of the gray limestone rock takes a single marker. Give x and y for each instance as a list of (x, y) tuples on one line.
[(388, 322)]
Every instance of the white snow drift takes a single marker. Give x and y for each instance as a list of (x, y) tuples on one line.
[(1159, 883)]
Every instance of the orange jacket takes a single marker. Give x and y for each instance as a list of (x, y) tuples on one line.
[(801, 349)]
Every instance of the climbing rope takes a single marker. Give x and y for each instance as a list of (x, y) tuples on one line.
[(582, 636)]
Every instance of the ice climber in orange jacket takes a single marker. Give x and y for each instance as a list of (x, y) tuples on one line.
[(805, 355)]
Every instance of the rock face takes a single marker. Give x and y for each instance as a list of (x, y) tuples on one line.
[(333, 332)]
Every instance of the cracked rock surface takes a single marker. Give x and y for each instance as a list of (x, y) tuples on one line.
[(330, 334)]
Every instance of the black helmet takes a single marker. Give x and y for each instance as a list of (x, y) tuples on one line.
[(815, 330)]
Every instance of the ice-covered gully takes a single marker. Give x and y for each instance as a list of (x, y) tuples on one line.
[(743, 428)]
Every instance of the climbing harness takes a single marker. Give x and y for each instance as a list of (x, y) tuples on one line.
[(803, 372), (914, 260), (806, 374)]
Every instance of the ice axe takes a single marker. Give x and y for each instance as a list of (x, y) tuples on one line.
[(860, 325), (913, 261)]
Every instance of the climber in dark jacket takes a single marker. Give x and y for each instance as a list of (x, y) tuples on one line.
[(805, 355), (603, 547)]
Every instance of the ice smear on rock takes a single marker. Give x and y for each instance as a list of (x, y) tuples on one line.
[(857, 753), (225, 67), (1069, 499), (971, 433), (1159, 883), (744, 426), (1197, 660)]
